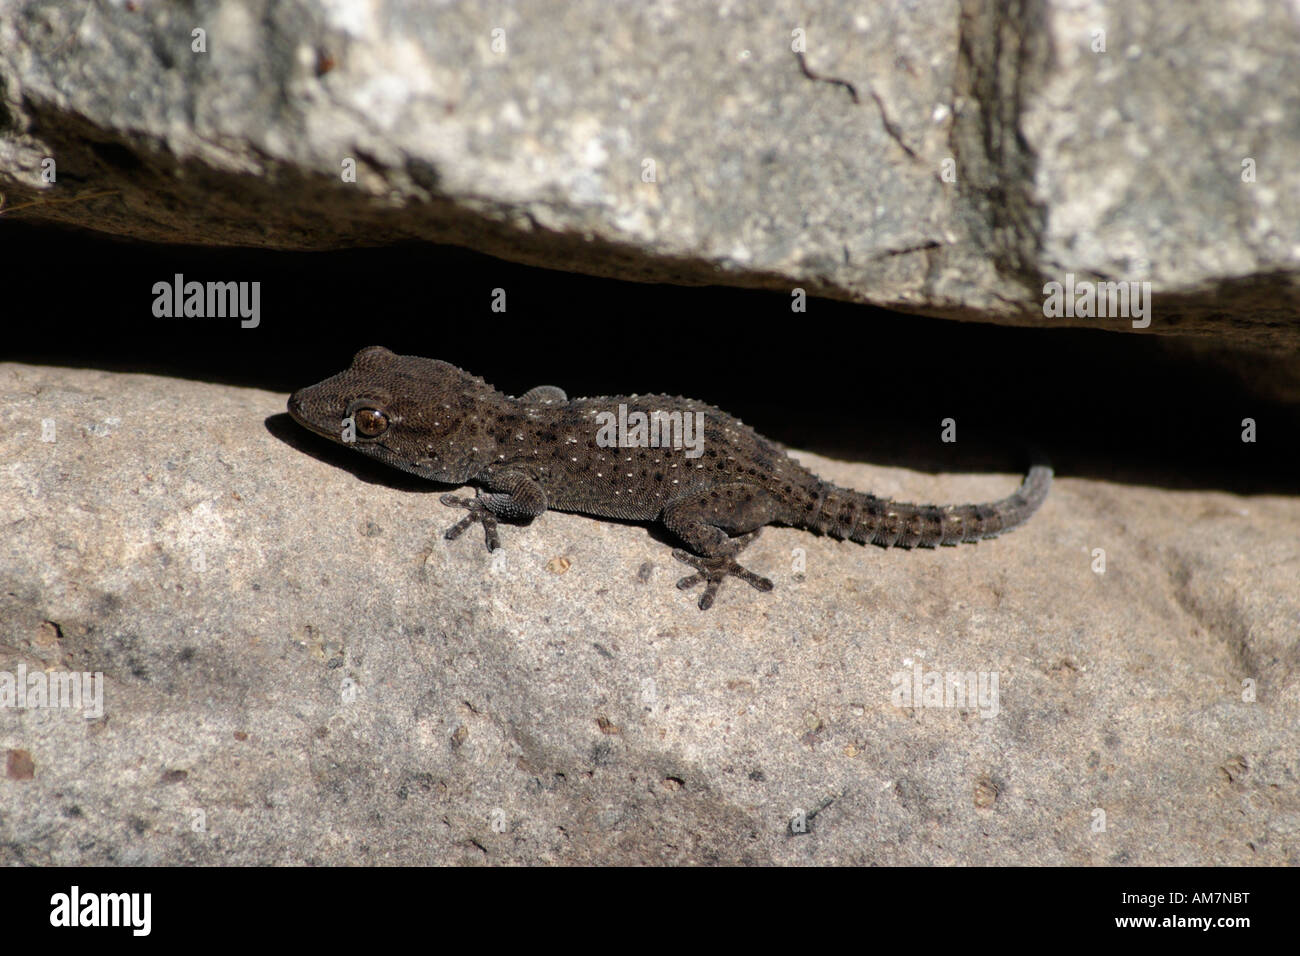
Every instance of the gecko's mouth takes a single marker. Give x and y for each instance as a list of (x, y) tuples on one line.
[(300, 416)]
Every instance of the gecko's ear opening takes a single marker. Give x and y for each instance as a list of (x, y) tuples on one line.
[(371, 356)]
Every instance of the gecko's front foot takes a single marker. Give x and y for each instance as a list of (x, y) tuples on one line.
[(713, 570), (478, 514)]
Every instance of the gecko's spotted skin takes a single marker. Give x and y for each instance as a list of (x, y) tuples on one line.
[(540, 451)]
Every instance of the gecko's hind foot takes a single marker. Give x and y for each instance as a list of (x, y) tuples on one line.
[(712, 571), (478, 514)]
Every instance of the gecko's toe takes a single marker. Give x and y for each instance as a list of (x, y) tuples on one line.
[(687, 558), (690, 581), (478, 514), (710, 592), (456, 530), (757, 581)]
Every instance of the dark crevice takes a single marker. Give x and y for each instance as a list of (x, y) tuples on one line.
[(1000, 52), (117, 156), (891, 127), (817, 77), (909, 250)]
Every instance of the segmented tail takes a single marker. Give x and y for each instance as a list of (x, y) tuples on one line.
[(864, 518)]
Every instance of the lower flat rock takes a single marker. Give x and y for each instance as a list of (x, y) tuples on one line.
[(297, 669)]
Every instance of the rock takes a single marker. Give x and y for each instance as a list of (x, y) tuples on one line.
[(952, 159), (298, 669)]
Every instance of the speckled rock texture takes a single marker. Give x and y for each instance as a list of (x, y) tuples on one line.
[(950, 158), (298, 669)]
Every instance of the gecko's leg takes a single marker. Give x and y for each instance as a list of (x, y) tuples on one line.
[(512, 496), (713, 570), (706, 523)]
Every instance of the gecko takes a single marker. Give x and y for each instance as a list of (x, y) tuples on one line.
[(709, 479)]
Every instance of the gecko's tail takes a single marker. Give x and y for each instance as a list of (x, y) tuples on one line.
[(864, 518)]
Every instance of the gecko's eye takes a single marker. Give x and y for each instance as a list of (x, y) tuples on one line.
[(371, 422)]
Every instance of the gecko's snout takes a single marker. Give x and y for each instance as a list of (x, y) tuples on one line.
[(305, 408), (299, 409)]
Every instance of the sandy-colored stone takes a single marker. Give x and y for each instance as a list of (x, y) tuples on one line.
[(298, 669)]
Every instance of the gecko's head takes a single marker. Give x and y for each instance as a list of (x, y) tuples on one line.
[(417, 414)]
